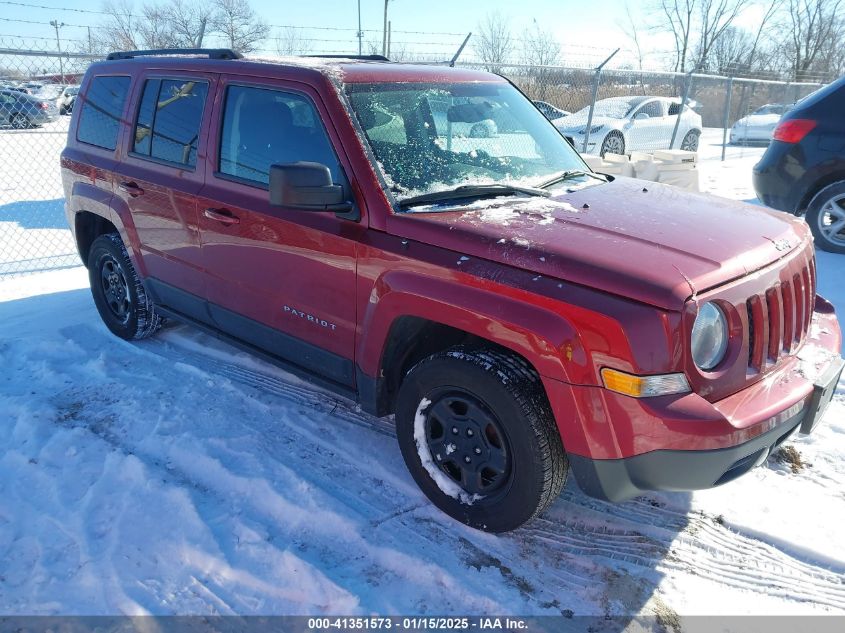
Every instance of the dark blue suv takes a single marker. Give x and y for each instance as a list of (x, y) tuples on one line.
[(803, 170)]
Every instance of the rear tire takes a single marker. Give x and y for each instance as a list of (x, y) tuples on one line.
[(117, 290), (479, 438), (826, 217)]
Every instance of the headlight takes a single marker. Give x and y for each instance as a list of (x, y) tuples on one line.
[(709, 336), (593, 129)]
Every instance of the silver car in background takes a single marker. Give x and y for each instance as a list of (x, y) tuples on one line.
[(758, 126)]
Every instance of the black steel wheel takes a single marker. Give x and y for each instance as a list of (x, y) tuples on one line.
[(467, 442), (478, 436), (118, 293)]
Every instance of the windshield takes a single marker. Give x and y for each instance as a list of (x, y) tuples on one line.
[(434, 137), (771, 109), (613, 108)]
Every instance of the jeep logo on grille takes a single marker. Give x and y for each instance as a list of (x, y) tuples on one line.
[(310, 318)]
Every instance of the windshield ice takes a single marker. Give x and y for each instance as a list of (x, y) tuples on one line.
[(434, 137)]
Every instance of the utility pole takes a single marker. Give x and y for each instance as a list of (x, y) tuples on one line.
[(384, 32), (57, 25), (201, 34), (360, 34)]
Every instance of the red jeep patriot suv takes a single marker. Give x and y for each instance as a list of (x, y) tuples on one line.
[(423, 240)]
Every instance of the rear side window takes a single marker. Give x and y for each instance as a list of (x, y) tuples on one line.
[(99, 121), (264, 127), (169, 118)]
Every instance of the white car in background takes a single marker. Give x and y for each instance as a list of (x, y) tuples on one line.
[(624, 124), (759, 126), (552, 113)]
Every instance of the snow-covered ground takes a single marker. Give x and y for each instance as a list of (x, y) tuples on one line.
[(178, 475)]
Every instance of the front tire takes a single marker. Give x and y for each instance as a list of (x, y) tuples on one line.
[(826, 217), (690, 142), (479, 438), (19, 122), (120, 297), (613, 143)]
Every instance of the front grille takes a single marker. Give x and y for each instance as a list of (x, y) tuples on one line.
[(779, 318)]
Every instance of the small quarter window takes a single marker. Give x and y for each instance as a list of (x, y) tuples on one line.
[(169, 120), (99, 121), (263, 127)]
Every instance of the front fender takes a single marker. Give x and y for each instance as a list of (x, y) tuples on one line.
[(542, 336)]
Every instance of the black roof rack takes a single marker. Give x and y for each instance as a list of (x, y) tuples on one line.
[(211, 53), (366, 58)]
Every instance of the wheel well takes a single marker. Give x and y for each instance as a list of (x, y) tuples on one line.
[(410, 340), (820, 184), (89, 226)]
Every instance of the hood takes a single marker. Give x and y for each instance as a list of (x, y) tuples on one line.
[(649, 242), (577, 122), (758, 120)]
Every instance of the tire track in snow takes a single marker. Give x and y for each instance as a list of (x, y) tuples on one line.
[(642, 532), (701, 547), (376, 508)]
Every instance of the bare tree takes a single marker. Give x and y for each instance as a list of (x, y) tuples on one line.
[(731, 51), (118, 32), (540, 50), (290, 42), (154, 28), (631, 30), (815, 36), (716, 16), (239, 25), (189, 21), (679, 16), (494, 44)]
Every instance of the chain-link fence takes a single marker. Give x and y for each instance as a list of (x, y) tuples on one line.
[(619, 111), (35, 98)]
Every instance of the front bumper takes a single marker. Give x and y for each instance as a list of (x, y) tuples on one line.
[(620, 446)]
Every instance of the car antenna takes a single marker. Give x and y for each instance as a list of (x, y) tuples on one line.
[(460, 50)]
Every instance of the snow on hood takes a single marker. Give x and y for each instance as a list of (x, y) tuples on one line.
[(649, 242), (577, 122)]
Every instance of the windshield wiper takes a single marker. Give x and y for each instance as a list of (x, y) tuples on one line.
[(569, 174), (472, 191)]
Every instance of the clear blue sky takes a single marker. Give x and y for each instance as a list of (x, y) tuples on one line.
[(587, 31)]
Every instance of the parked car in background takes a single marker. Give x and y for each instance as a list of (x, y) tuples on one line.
[(803, 169), (621, 125), (551, 112), (65, 101), (21, 111), (758, 126), (521, 315)]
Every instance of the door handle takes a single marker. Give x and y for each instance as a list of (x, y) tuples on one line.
[(221, 215), (131, 188)]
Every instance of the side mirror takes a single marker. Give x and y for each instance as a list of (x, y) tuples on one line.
[(307, 186), (639, 116)]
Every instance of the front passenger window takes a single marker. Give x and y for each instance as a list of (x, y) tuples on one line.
[(263, 127)]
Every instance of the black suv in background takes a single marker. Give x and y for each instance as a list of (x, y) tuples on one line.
[(803, 170)]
